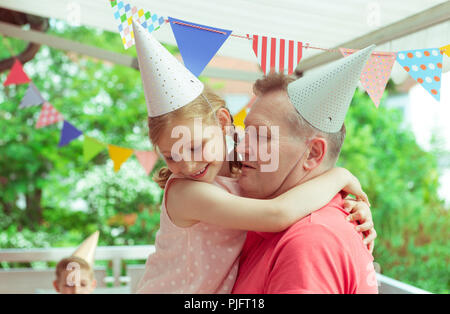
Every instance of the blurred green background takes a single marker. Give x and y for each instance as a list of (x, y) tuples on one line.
[(49, 197)]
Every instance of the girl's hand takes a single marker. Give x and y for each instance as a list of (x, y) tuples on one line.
[(360, 212), (353, 186)]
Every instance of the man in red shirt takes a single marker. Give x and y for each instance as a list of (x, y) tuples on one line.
[(322, 253)]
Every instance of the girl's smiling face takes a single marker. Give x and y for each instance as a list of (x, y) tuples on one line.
[(196, 149)]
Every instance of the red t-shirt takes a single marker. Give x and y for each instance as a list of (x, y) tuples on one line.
[(321, 253)]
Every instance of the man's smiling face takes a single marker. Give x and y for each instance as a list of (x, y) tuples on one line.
[(271, 109)]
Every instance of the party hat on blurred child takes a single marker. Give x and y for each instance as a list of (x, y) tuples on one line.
[(86, 250), (323, 97), (168, 85)]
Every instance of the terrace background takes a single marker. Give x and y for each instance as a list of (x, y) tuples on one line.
[(50, 198)]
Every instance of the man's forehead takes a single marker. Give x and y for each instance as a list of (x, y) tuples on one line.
[(269, 109)]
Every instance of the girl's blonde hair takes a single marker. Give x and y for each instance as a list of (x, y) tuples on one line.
[(198, 108)]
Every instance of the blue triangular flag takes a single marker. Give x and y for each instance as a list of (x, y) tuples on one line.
[(32, 97), (68, 134), (198, 43), (425, 66)]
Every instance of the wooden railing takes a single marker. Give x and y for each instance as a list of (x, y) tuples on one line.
[(32, 280)]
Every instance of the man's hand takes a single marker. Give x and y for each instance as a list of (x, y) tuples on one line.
[(360, 212)]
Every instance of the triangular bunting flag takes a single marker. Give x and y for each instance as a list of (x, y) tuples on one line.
[(238, 118), (124, 13), (425, 66), (91, 148), (49, 115), (147, 159), (275, 54), (446, 50), (198, 44), (16, 75), (376, 72), (68, 134), (32, 97), (119, 155)]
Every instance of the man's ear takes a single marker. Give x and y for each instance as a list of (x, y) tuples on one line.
[(316, 155), (224, 117), (55, 285)]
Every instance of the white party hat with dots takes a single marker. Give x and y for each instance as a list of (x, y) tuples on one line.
[(168, 85), (86, 250), (323, 97)]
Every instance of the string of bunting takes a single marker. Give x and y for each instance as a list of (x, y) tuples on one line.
[(199, 43), (49, 116)]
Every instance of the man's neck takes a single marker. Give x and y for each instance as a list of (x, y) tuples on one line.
[(295, 178)]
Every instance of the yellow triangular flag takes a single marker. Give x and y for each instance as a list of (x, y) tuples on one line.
[(86, 250), (239, 117), (446, 50), (119, 155)]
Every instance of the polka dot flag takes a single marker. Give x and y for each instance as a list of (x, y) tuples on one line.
[(376, 72), (124, 13), (49, 115), (425, 66)]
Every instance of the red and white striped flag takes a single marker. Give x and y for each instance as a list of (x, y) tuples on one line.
[(279, 55)]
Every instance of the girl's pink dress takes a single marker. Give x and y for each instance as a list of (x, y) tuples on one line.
[(203, 258)]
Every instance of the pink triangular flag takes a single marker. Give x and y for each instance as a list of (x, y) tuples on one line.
[(376, 72), (49, 115), (147, 159), (16, 75)]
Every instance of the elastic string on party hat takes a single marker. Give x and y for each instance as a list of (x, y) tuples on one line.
[(212, 109), (298, 160), (235, 154)]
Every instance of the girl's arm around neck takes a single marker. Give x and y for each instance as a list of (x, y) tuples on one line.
[(194, 201)]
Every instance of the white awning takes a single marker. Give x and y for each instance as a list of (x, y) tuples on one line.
[(322, 23)]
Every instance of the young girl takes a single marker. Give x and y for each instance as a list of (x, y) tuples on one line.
[(203, 220)]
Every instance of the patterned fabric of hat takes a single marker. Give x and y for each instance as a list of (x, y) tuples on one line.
[(168, 85), (323, 97)]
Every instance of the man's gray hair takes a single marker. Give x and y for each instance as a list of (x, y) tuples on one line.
[(303, 130)]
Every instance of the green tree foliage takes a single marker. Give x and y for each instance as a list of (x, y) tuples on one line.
[(41, 183), (50, 197), (401, 181)]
